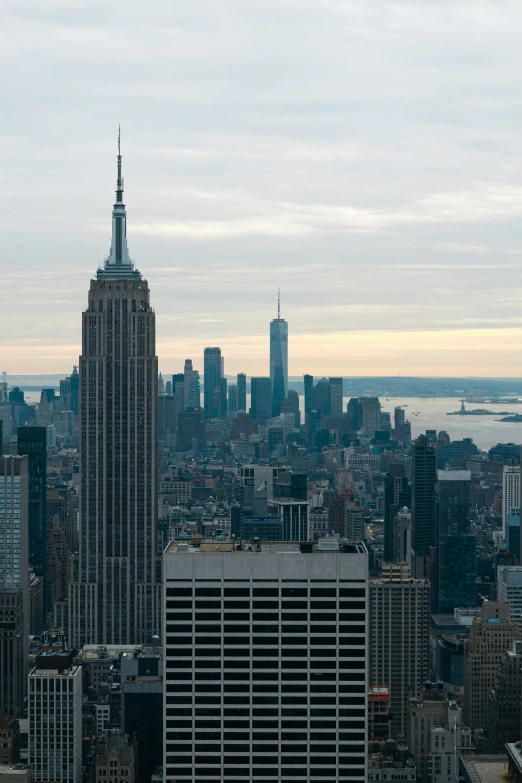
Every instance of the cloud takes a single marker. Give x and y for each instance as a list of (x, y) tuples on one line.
[(329, 149)]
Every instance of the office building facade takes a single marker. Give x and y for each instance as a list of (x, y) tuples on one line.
[(371, 416), (399, 639), (32, 441), (490, 636), (423, 526), (260, 399), (265, 664), (114, 594), (55, 718), (455, 561), (336, 397)]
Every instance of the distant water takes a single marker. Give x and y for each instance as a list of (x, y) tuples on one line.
[(485, 431)]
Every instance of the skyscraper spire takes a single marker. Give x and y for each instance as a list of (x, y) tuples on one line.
[(118, 261), (119, 183), (278, 304)]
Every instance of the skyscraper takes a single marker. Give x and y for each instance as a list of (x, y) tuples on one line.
[(194, 401), (424, 477), (187, 379), (32, 441), (260, 399), (114, 596), (14, 583), (232, 397), (308, 393), (75, 385), (399, 638), (510, 492), (371, 416), (456, 561), (336, 397), (55, 718), (397, 494), (272, 701), (212, 382), (278, 360), (241, 392), (354, 414), (490, 636)]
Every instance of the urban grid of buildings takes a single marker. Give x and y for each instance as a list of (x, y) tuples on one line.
[(215, 578)]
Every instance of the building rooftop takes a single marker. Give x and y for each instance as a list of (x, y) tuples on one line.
[(286, 547), (484, 769)]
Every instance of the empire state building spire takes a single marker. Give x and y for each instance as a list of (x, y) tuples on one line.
[(118, 263)]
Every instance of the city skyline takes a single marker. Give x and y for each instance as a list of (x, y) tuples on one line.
[(374, 204)]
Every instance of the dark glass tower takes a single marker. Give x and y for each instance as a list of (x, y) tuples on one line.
[(397, 494), (278, 360), (115, 596), (260, 400), (424, 478), (212, 383), (308, 392), (241, 392), (33, 442), (456, 561)]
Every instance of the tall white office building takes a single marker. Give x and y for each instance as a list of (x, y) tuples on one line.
[(55, 718), (265, 674), (510, 492)]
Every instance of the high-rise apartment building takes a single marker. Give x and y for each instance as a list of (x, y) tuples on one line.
[(32, 441), (510, 492), (399, 638), (336, 397), (371, 415), (455, 558), (424, 477), (55, 718), (260, 399), (114, 595), (241, 392), (212, 381), (278, 360), (265, 672), (490, 636)]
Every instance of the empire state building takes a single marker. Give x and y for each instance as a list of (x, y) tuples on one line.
[(115, 591)]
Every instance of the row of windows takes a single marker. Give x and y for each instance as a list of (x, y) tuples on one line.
[(264, 592), (184, 774), (259, 617)]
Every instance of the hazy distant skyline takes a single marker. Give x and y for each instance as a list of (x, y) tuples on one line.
[(365, 157)]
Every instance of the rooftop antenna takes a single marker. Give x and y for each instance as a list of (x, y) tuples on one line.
[(278, 304), (119, 184)]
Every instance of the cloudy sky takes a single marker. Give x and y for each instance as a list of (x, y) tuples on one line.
[(364, 156)]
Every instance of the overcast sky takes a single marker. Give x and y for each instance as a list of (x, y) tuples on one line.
[(364, 156)]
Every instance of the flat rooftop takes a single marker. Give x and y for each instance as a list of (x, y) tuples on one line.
[(484, 769), (286, 547)]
